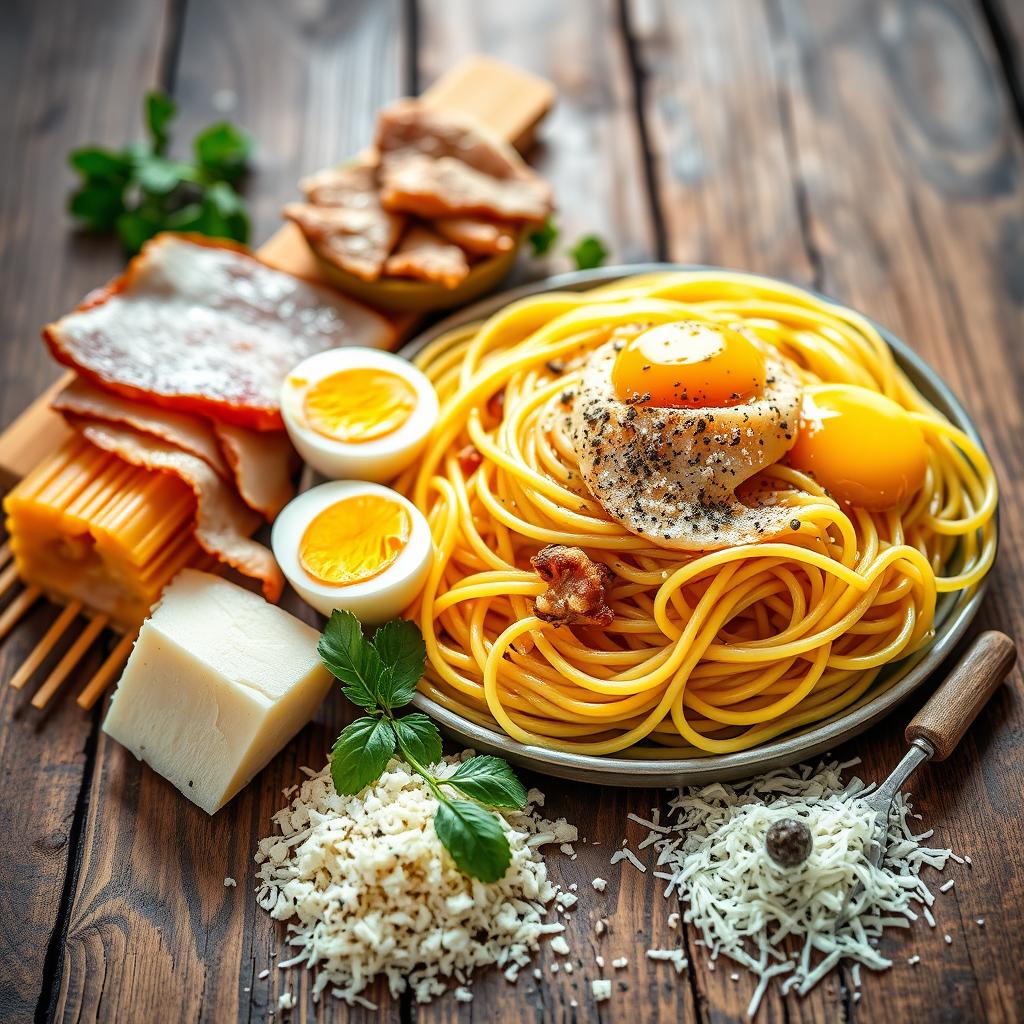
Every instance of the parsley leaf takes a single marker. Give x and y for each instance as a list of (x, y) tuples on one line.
[(543, 238), (589, 252), (351, 658), (474, 838), (400, 646), (418, 738), (361, 753), (490, 781), (139, 190)]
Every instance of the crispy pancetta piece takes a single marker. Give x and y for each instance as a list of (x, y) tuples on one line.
[(576, 587), (425, 255), (223, 524), (344, 221), (202, 326), (447, 187), (189, 433), (264, 464), (475, 235)]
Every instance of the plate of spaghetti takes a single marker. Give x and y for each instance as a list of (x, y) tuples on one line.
[(688, 524)]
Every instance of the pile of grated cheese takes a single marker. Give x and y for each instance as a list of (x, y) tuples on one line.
[(792, 923), (367, 889)]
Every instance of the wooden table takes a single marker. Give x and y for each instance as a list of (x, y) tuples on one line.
[(871, 149)]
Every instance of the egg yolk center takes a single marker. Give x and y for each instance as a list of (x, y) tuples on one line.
[(861, 446), (355, 539), (359, 404), (689, 365)]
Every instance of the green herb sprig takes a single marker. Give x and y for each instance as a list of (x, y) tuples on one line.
[(380, 676), (139, 190), (588, 252)]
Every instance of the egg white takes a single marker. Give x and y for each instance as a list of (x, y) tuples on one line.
[(380, 459), (372, 601)]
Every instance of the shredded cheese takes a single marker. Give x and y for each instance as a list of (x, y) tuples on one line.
[(797, 923), (367, 888)]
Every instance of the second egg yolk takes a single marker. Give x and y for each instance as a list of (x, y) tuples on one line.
[(354, 540), (689, 365), (861, 446), (359, 405)]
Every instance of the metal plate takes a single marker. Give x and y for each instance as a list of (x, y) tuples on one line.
[(953, 613)]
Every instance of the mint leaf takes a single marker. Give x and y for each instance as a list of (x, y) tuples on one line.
[(351, 658), (543, 238), (222, 214), (360, 754), (96, 163), (223, 151), (136, 227), (474, 838), (418, 738), (489, 780), (159, 176), (160, 112), (400, 646), (588, 252)]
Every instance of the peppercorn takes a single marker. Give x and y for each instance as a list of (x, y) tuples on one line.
[(788, 842)]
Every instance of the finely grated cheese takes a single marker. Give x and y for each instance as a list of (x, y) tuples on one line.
[(367, 889), (793, 924)]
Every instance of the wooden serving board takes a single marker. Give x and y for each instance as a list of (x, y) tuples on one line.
[(510, 101)]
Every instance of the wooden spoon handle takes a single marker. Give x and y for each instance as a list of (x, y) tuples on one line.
[(959, 698)]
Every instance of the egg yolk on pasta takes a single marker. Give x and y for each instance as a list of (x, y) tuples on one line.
[(689, 365), (354, 539), (359, 404), (861, 446)]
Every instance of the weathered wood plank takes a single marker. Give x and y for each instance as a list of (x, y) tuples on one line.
[(62, 90), (153, 932), (910, 162)]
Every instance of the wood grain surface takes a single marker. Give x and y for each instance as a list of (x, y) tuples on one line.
[(872, 149)]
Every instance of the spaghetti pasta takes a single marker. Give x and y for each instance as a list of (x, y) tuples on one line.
[(709, 652)]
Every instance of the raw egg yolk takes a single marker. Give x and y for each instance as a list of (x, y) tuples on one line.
[(354, 539), (359, 405), (861, 446), (689, 365)]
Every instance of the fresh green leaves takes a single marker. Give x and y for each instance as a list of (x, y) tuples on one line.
[(139, 191), (474, 838), (489, 780), (361, 753), (588, 252), (380, 676), (543, 238)]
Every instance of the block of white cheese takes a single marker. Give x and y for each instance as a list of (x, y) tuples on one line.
[(219, 680)]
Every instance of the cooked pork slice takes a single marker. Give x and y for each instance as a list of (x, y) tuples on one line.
[(447, 187), (353, 186), (475, 235), (428, 257), (358, 241)]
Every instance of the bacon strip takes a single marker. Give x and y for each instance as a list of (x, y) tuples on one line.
[(223, 523), (576, 587), (264, 463), (202, 326), (428, 257), (476, 236), (189, 433)]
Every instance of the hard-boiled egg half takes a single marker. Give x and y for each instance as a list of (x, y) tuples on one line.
[(358, 413), (354, 546)]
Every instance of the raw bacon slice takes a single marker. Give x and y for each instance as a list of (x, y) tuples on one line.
[(476, 236), (358, 241), (202, 326), (446, 186), (264, 463), (428, 257), (223, 523), (190, 433)]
